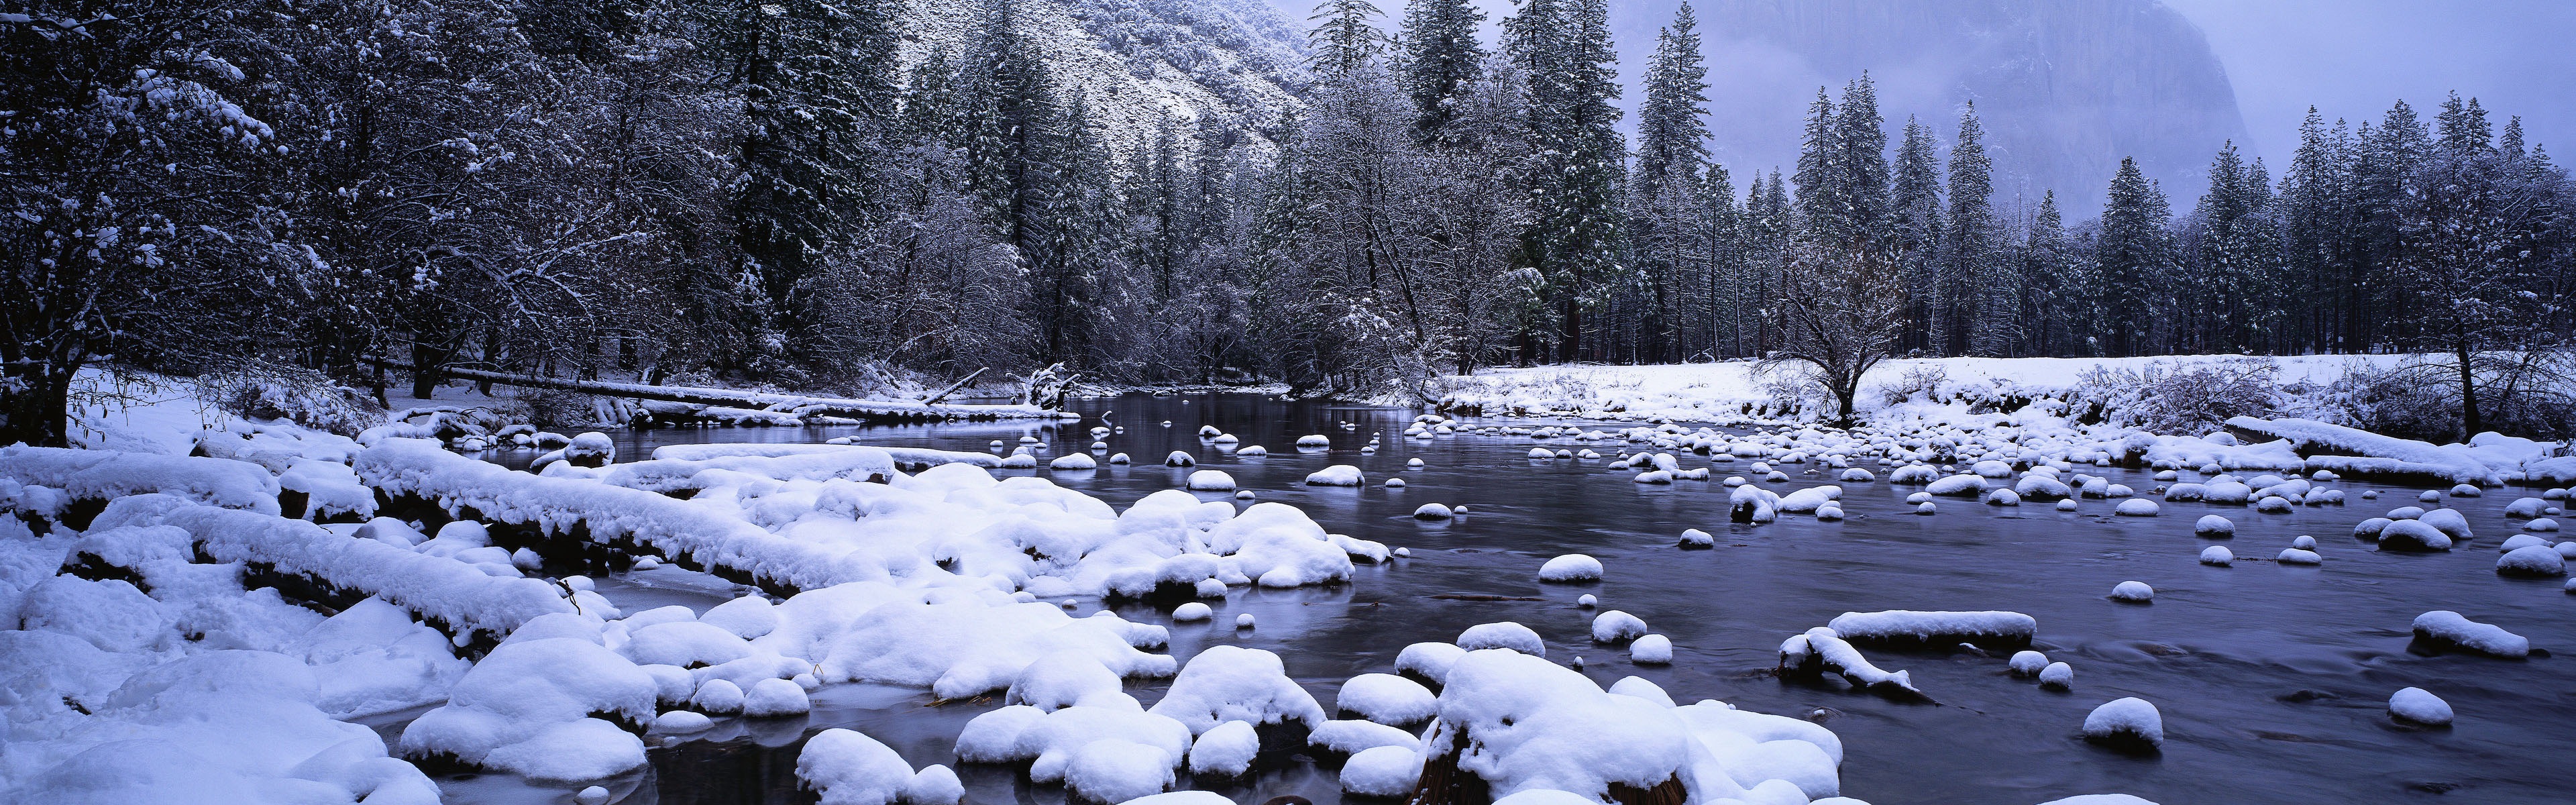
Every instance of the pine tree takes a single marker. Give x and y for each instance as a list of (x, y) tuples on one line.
[(1672, 156), (1974, 246), (1842, 178), (1343, 38), (2464, 127), (1932, 296), (817, 82), (2053, 304), (1862, 135), (1672, 132), (2130, 258), (1441, 58), (1563, 46)]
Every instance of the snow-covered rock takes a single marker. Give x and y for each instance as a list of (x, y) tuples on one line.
[(1382, 771), (1572, 567), (2420, 706), (2134, 592), (2448, 628), (2532, 560), (2128, 722), (1907, 628), (1337, 475), (1230, 683), (1386, 699), (846, 767), (1615, 627)]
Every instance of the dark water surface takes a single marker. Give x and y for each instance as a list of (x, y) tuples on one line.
[(2272, 680)]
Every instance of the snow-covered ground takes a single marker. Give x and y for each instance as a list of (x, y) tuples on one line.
[(1706, 392), (1933, 407)]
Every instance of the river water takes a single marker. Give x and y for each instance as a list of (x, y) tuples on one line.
[(2272, 680)]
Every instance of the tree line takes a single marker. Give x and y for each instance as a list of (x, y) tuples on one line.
[(765, 192)]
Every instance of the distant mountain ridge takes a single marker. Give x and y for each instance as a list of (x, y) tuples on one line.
[(2066, 88), (1137, 62)]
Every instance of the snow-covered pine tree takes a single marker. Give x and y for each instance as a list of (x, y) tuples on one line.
[(1665, 214), (2464, 127), (1862, 137), (1345, 36), (2053, 298), (1936, 300), (2130, 256), (1842, 176), (1974, 247), (2317, 217), (1441, 57), (1563, 46), (817, 85)]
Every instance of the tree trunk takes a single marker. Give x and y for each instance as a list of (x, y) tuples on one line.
[(2468, 394), (425, 364), (35, 407)]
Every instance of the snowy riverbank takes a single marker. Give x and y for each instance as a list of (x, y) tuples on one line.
[(2115, 408)]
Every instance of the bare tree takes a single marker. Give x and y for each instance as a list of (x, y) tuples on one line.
[(1838, 312)]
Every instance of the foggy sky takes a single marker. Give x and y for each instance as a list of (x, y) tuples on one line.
[(2350, 58)]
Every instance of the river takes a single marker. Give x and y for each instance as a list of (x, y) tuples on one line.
[(2272, 680)]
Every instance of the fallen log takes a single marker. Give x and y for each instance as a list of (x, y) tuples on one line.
[(804, 406)]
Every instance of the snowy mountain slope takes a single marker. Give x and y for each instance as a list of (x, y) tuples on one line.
[(1139, 61)]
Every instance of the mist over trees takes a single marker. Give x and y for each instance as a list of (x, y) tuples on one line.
[(709, 191)]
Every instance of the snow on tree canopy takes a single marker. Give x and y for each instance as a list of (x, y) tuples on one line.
[(107, 475)]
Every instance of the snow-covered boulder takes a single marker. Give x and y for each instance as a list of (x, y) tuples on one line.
[(1504, 635), (2539, 561), (1386, 699), (1337, 475), (1536, 727), (1231, 683), (1382, 771), (1615, 627), (2412, 535), (1570, 568), (1911, 629), (846, 767), (2447, 628), (527, 708), (2420, 706), (2129, 723)]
